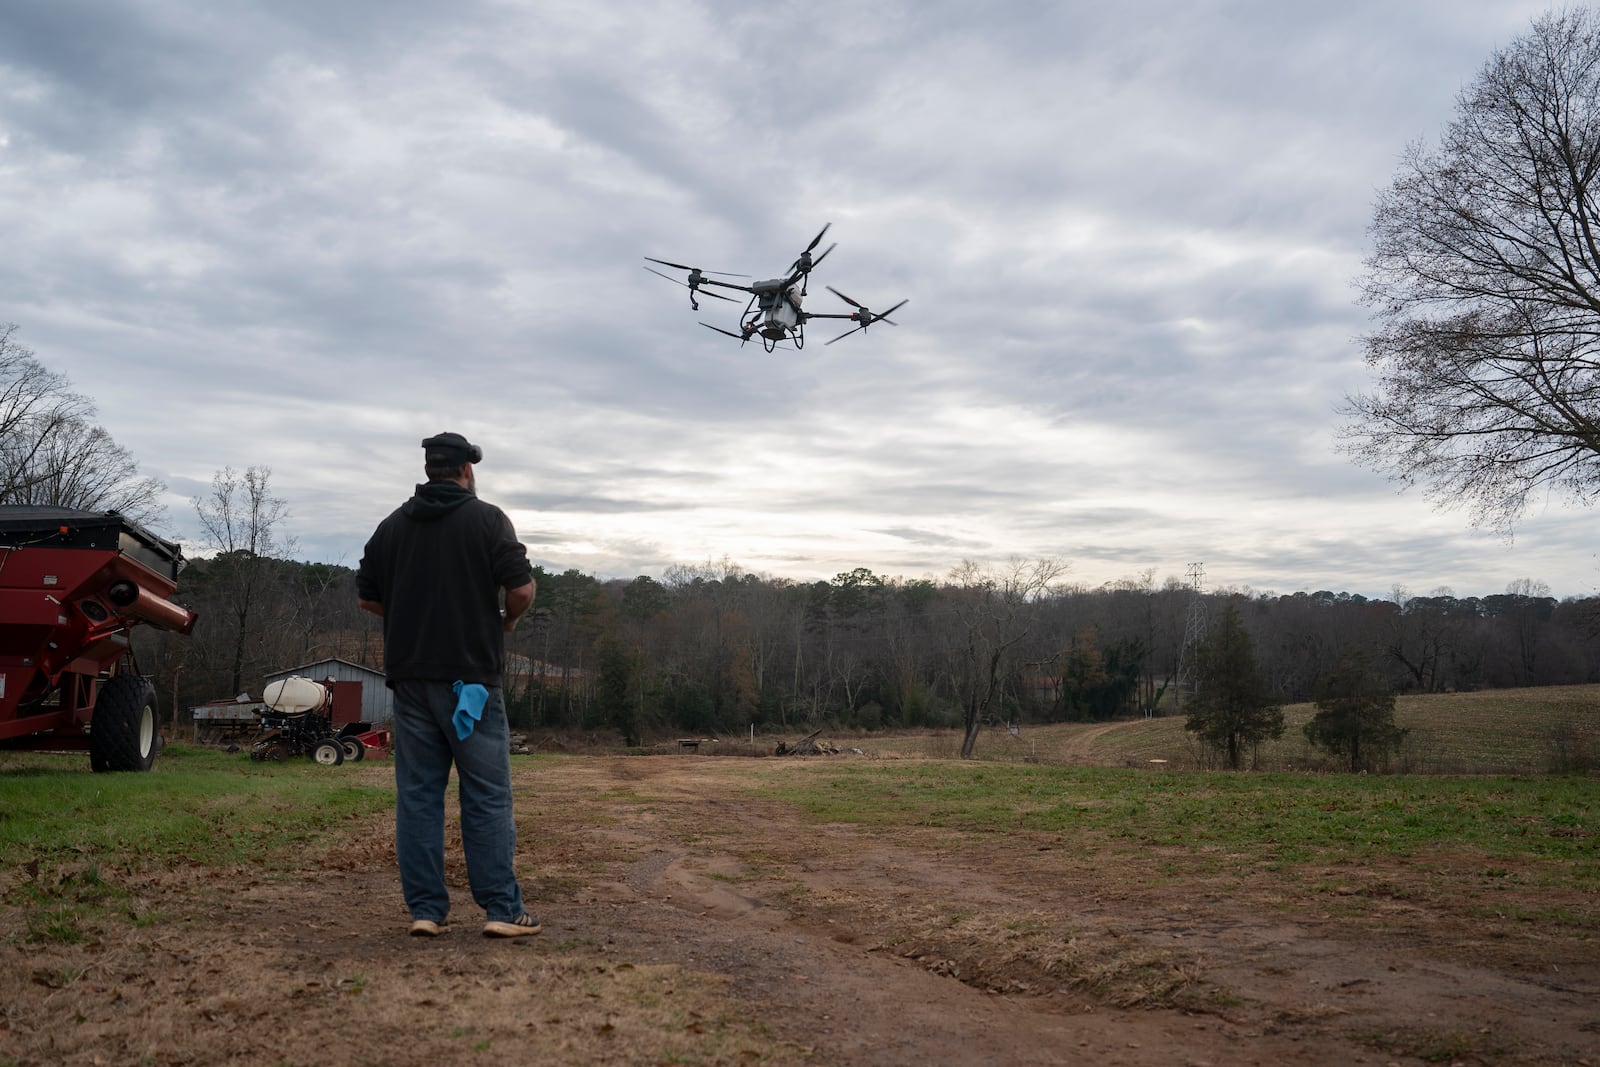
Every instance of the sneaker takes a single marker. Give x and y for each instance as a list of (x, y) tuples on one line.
[(428, 928), (521, 926)]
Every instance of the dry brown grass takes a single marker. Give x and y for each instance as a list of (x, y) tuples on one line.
[(445, 1003)]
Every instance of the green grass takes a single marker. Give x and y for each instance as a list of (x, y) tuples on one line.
[(70, 839), (195, 807), (1551, 823)]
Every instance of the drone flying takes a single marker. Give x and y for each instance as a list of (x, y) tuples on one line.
[(774, 312)]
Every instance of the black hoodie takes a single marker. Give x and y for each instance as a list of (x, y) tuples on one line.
[(437, 565)]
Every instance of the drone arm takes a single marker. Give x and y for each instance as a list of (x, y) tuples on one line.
[(726, 285)]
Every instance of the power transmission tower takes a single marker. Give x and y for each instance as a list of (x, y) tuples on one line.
[(1194, 632)]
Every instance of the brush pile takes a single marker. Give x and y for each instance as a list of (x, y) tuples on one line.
[(810, 746)]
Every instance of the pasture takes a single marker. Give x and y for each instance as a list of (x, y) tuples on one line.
[(1505, 731)]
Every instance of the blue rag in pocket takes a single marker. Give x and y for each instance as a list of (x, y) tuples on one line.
[(470, 699)]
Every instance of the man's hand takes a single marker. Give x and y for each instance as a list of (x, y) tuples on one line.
[(518, 601)]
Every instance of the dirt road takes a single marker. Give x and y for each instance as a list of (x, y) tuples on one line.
[(690, 920)]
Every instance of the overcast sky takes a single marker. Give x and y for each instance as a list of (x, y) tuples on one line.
[(306, 235)]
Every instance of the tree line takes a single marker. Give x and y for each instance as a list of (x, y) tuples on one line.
[(711, 649)]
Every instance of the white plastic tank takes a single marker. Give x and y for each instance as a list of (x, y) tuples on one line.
[(294, 695)]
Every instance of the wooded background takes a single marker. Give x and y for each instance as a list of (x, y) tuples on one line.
[(710, 649)]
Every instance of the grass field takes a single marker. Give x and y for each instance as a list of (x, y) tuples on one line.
[(1281, 822), (79, 838), (198, 804), (1508, 731), (71, 829)]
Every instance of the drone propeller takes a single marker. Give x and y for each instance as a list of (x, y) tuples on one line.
[(818, 238), (836, 293), (694, 270), (883, 316), (741, 338), (803, 263), (867, 317), (686, 285)]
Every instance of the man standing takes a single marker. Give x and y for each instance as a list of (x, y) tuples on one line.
[(433, 571)]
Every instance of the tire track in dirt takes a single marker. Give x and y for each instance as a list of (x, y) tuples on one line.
[(1077, 748), (1294, 992), (825, 988)]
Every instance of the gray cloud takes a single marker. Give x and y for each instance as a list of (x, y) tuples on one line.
[(307, 235)]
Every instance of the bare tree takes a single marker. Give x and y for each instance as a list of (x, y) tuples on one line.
[(1531, 608), (1485, 283), (241, 520), (52, 453), (995, 607), (83, 467), (241, 514)]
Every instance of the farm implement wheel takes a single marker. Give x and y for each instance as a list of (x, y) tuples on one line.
[(354, 750), (270, 751), (329, 753), (122, 733)]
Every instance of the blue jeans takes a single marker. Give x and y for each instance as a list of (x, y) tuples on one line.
[(425, 746)]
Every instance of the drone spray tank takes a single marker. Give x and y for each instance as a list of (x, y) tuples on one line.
[(779, 301)]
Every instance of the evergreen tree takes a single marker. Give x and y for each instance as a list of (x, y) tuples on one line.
[(616, 689), (1355, 715), (1232, 708)]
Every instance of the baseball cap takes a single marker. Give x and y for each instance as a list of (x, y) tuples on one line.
[(450, 450)]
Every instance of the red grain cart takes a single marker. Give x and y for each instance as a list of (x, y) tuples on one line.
[(72, 584)]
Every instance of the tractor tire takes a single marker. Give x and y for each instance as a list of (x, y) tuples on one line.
[(123, 732), (328, 752), (354, 750)]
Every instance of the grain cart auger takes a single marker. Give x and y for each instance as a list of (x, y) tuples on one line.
[(72, 584)]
